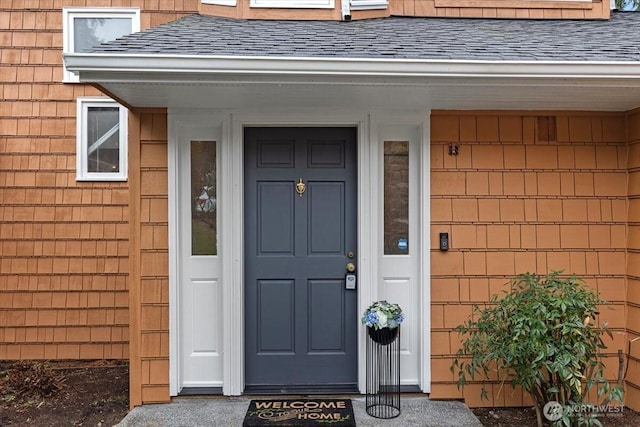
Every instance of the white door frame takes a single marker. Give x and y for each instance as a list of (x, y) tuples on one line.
[(231, 219)]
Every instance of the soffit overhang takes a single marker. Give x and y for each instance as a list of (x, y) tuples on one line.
[(156, 80)]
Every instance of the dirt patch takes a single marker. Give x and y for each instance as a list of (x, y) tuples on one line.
[(71, 393), (96, 393), (526, 417)]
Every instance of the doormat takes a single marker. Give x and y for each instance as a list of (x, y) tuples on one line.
[(300, 413)]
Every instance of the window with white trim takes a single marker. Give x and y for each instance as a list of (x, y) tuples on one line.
[(626, 5), (101, 138), (220, 2), (368, 4), (84, 28), (294, 4)]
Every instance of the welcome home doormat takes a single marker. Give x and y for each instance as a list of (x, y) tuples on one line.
[(300, 413)]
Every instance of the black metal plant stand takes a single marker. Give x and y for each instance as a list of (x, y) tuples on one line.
[(383, 373)]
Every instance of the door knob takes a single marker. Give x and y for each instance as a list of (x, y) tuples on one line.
[(351, 267)]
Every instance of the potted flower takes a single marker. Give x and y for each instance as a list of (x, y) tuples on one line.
[(382, 319)]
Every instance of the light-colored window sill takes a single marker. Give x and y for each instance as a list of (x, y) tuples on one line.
[(516, 4), (301, 4), (101, 179), (368, 4), (220, 2)]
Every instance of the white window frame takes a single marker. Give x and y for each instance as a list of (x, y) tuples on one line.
[(70, 13), (82, 145), (224, 2), (294, 4), (368, 4)]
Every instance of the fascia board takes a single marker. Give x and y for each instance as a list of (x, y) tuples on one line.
[(199, 67)]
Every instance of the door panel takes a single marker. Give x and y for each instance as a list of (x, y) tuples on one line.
[(326, 218), (326, 333), (300, 321), (203, 294), (326, 154), (275, 154), (275, 218), (276, 316)]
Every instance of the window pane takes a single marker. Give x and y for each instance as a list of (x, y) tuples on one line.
[(103, 139), (396, 197), (90, 32), (628, 5), (203, 195)]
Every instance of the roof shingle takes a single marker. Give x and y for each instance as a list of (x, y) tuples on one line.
[(617, 39)]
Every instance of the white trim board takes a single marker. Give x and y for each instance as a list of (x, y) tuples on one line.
[(121, 66)]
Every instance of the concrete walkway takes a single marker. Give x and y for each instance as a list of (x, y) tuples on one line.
[(230, 412)]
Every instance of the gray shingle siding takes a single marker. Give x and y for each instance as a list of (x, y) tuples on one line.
[(617, 39)]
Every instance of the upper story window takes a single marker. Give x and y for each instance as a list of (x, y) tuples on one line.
[(368, 4), (220, 2), (301, 4), (84, 28), (626, 5), (101, 138)]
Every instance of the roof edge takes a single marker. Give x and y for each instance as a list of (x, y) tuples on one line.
[(95, 67)]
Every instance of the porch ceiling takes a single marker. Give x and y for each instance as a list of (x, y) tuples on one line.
[(463, 94)]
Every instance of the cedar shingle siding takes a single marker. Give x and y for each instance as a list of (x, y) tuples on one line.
[(515, 202), (83, 265), (64, 245), (633, 262)]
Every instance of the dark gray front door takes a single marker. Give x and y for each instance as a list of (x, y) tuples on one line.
[(301, 322)]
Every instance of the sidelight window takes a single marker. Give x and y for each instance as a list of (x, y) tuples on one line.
[(396, 197), (204, 202)]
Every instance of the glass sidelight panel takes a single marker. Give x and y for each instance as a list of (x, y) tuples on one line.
[(396, 197), (204, 238)]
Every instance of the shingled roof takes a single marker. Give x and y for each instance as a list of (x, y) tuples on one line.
[(617, 39)]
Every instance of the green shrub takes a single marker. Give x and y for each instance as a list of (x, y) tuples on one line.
[(542, 336)]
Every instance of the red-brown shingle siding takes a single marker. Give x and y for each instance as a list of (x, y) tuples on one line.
[(519, 198), (64, 245), (633, 263), (149, 373)]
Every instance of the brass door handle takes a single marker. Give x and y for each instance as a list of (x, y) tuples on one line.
[(351, 267)]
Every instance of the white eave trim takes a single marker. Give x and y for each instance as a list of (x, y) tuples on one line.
[(100, 67)]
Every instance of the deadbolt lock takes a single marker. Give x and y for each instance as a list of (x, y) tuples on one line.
[(351, 267), (350, 255)]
